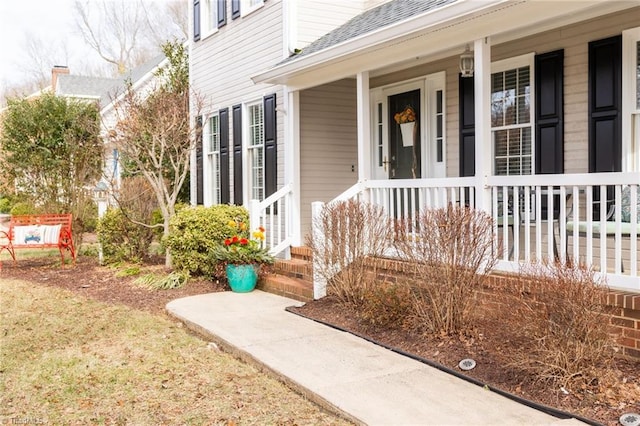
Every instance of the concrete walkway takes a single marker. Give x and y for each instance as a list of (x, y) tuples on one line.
[(361, 381)]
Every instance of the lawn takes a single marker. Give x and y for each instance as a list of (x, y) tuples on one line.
[(65, 359)]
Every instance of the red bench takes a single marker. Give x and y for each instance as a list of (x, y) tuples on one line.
[(38, 231)]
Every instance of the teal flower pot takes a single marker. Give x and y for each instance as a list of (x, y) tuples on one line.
[(242, 278)]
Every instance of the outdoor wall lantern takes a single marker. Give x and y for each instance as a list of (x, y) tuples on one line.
[(466, 63)]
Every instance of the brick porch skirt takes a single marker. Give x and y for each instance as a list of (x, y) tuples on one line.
[(625, 306)]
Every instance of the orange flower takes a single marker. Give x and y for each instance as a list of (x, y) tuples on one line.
[(407, 115)]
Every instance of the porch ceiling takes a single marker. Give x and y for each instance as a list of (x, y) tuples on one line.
[(434, 35)]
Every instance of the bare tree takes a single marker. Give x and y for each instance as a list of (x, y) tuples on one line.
[(155, 135), (125, 33)]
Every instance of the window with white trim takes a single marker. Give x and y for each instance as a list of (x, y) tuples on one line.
[(212, 145), (511, 117), (255, 134), (631, 99), (249, 6), (209, 17)]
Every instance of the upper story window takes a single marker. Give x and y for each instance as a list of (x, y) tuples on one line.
[(511, 117), (244, 7), (209, 17)]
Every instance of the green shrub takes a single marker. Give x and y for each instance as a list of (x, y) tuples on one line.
[(90, 217), (5, 205), (23, 208), (121, 239), (195, 231)]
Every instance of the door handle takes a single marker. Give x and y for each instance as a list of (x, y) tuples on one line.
[(385, 162)]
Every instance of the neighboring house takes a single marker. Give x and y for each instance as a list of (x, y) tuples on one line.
[(108, 92), (543, 133)]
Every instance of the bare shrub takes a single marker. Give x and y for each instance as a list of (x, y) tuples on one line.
[(451, 249), (349, 232), (563, 320), (386, 305)]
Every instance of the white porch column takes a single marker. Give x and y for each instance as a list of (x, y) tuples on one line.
[(364, 127), (292, 158), (482, 94)]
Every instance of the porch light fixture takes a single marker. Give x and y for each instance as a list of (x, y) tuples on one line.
[(466, 63)]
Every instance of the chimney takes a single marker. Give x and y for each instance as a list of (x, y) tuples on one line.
[(55, 72)]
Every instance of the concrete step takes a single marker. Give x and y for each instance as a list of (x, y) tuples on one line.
[(294, 268), (292, 288)]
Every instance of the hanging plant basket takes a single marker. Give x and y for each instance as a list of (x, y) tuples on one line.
[(406, 130)]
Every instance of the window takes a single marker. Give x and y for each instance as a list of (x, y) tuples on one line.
[(511, 121), (256, 150), (209, 17), (379, 133), (249, 6), (212, 145), (631, 99), (439, 127)]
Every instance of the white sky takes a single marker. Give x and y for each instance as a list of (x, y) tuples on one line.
[(46, 19)]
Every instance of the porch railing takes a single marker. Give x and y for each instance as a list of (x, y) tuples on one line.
[(567, 217), (274, 215), (406, 198), (590, 218)]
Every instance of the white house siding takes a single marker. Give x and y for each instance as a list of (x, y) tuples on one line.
[(328, 144), (222, 64), (316, 18), (574, 40)]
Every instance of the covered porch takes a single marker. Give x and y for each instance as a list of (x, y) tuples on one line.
[(548, 172)]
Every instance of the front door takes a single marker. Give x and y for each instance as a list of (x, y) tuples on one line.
[(404, 135)]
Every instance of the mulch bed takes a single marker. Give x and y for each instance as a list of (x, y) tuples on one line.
[(488, 346)]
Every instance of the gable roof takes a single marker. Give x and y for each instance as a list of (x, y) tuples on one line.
[(105, 89), (83, 86), (373, 19), (404, 32)]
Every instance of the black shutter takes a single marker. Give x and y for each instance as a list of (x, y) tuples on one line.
[(196, 20), (605, 101), (224, 156), (222, 13), (270, 146), (235, 9), (199, 160), (605, 104), (549, 83), (549, 114), (237, 154), (467, 127)]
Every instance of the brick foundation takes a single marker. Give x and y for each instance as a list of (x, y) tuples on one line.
[(625, 318)]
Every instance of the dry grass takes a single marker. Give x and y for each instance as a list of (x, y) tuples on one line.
[(68, 360)]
